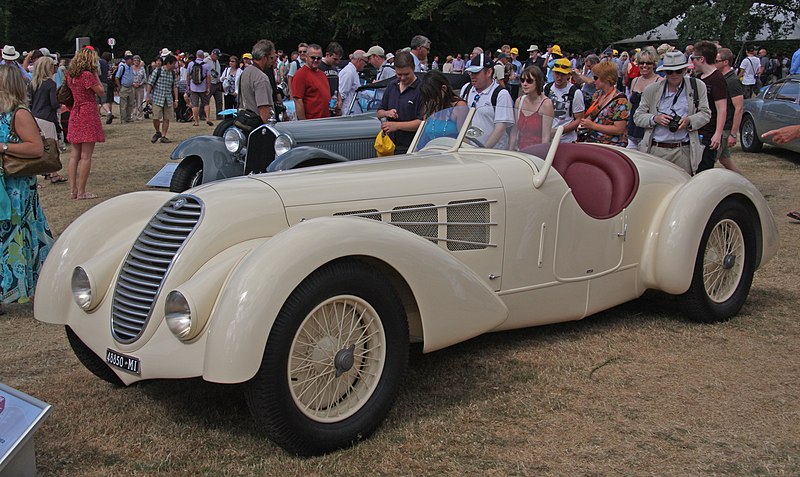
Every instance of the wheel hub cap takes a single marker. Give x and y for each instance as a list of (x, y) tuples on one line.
[(729, 261), (344, 360)]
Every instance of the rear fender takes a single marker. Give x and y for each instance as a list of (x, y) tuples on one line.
[(454, 303), (671, 248), (304, 156), (218, 162)]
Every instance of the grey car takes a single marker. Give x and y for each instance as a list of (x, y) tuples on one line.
[(284, 145), (776, 106)]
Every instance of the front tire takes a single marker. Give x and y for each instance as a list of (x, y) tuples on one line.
[(333, 362), (188, 174), (750, 139), (91, 361), (724, 266), (223, 126)]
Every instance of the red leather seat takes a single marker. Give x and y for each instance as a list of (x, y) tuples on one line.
[(603, 180)]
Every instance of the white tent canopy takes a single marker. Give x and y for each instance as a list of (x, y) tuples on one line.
[(667, 32)]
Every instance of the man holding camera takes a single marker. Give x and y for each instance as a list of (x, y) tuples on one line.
[(672, 112)]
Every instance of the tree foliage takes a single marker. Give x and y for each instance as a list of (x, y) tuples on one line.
[(452, 25)]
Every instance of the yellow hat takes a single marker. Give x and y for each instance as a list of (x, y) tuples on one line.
[(514, 51), (616, 52), (556, 50), (247, 55)]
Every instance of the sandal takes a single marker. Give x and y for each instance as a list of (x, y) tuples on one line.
[(794, 215), (55, 178), (88, 195)]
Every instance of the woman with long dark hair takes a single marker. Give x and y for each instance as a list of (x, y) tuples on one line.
[(442, 117), (533, 112)]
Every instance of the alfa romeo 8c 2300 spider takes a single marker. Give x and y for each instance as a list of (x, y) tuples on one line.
[(309, 285)]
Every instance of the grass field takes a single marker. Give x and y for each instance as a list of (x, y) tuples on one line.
[(636, 390)]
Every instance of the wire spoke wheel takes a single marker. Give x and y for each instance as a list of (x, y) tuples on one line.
[(724, 260), (336, 358)]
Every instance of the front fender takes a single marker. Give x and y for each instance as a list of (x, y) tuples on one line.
[(671, 249), (218, 162), (454, 303), (304, 156)]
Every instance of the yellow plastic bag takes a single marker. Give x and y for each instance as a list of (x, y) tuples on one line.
[(384, 145)]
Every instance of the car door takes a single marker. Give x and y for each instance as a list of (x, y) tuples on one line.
[(784, 107)]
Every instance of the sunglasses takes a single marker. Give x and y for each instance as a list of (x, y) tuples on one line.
[(646, 63), (719, 61), (674, 72), (529, 80), (303, 52), (315, 58)]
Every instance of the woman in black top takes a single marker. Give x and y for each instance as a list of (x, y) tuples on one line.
[(44, 105)]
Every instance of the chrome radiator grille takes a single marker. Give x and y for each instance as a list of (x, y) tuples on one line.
[(353, 149), (147, 264)]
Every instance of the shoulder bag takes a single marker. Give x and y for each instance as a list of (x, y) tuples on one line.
[(48, 162)]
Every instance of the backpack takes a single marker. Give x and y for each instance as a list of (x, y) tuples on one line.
[(572, 90), (495, 93), (196, 75)]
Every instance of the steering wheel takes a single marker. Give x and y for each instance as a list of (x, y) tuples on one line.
[(474, 142)]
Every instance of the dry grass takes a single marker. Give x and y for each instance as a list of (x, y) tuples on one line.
[(637, 390)]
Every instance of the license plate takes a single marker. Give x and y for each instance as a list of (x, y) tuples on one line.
[(125, 363)]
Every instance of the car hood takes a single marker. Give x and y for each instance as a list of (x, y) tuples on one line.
[(330, 129), (380, 178)]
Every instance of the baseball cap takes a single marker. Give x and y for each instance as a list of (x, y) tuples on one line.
[(215, 51), (502, 55), (514, 51), (483, 61), (128, 57), (248, 56), (89, 47), (562, 65), (375, 50)]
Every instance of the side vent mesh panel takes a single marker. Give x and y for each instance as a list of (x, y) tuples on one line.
[(367, 214), (426, 213), (468, 222)]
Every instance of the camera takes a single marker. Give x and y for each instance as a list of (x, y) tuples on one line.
[(674, 122)]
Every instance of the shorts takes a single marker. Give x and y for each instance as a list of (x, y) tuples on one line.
[(724, 151), (198, 99), (163, 112)]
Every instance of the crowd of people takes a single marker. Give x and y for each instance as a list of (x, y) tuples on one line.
[(682, 106)]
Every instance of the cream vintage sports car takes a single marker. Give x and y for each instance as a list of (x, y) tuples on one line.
[(309, 285)]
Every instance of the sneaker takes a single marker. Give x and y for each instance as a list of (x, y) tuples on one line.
[(156, 137), (166, 140), (110, 118)]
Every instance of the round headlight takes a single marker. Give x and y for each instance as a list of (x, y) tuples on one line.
[(81, 288), (178, 315), (234, 140), (282, 145)]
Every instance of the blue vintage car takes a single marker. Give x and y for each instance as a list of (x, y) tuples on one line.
[(284, 145), (776, 106)]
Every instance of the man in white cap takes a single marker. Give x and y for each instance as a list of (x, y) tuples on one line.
[(534, 59), (199, 87), (349, 81), (495, 109), (672, 112), (375, 56), (10, 56)]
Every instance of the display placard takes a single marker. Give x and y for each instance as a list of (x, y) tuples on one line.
[(164, 176), (20, 416)]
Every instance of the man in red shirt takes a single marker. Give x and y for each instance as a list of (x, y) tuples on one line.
[(310, 89)]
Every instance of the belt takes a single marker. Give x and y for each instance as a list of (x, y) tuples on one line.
[(670, 145)]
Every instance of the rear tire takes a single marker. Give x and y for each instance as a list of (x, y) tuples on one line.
[(750, 139), (724, 266), (188, 174), (334, 361), (91, 361)]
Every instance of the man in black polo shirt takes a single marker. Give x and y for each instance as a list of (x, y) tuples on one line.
[(401, 106)]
